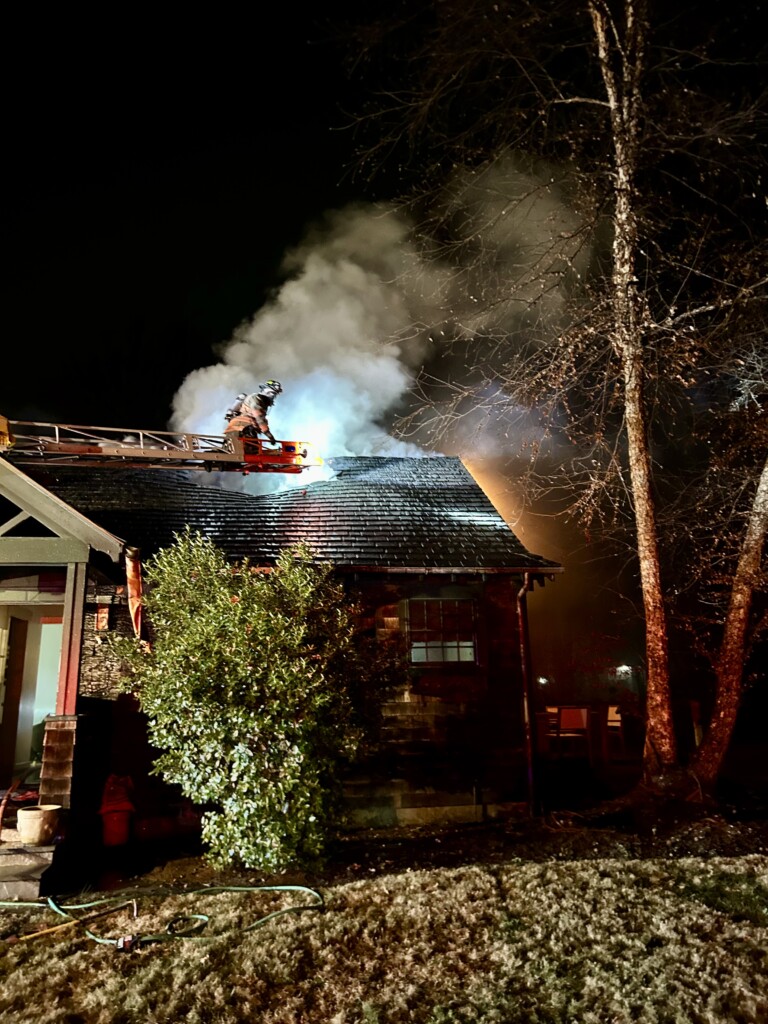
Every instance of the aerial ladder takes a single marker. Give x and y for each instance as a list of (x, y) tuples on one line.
[(26, 443)]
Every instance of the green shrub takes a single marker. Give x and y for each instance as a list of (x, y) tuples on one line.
[(258, 688)]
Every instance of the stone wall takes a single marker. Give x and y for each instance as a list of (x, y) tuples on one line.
[(99, 669)]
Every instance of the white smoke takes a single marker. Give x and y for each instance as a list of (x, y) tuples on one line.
[(519, 254), (363, 309), (521, 249), (339, 336)]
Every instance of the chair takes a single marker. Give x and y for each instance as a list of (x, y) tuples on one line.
[(565, 731), (546, 729), (614, 730), (572, 720), (573, 736)]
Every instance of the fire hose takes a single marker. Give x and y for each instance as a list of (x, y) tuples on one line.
[(182, 926)]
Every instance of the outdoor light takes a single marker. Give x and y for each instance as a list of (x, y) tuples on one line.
[(623, 670), (542, 680)]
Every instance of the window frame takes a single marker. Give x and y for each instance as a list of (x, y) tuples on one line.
[(455, 632)]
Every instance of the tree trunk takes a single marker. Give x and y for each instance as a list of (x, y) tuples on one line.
[(660, 752), (708, 759), (621, 52)]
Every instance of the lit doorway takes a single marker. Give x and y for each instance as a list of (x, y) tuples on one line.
[(30, 652)]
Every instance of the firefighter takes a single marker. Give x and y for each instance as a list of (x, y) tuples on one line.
[(250, 419), (234, 409)]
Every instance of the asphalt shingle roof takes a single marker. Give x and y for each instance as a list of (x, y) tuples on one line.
[(376, 512)]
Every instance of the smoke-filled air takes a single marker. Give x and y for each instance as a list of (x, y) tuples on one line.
[(339, 335), (364, 309)]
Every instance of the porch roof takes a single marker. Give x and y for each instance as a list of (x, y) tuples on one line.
[(67, 534)]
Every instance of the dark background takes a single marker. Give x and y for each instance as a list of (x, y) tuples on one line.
[(156, 169)]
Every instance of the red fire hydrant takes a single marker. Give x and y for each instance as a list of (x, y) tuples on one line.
[(116, 810)]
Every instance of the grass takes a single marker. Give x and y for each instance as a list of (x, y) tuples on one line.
[(603, 941), (740, 897)]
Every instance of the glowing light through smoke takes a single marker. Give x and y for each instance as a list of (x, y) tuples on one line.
[(327, 336)]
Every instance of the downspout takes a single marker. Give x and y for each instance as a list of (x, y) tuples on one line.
[(525, 668), (133, 581)]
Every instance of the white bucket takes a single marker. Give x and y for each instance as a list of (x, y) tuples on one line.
[(37, 825)]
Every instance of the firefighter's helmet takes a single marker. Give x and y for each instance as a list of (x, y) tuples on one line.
[(274, 385)]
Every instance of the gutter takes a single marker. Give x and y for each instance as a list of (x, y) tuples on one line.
[(465, 570)]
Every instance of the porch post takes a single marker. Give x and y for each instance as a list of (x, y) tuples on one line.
[(74, 611)]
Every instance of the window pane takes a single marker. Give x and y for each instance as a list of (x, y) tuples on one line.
[(452, 617), (432, 617), (434, 647), (441, 631)]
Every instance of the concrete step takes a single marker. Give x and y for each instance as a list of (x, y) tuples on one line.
[(21, 867), (23, 890)]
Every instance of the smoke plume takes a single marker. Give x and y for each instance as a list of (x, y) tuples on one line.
[(342, 336), (365, 309)]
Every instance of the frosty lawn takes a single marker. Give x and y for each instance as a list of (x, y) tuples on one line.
[(603, 941)]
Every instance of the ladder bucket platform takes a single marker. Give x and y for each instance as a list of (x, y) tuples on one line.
[(30, 444)]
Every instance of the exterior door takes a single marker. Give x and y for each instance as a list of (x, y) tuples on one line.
[(14, 670)]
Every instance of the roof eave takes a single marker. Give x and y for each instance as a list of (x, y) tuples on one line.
[(463, 569)]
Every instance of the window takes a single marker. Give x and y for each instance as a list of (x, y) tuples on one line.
[(441, 631)]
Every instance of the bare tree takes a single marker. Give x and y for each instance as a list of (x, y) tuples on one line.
[(593, 197), (718, 520), (729, 665), (621, 57)]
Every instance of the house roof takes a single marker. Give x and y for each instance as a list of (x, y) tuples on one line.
[(376, 513)]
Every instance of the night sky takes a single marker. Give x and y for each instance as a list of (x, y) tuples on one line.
[(156, 169)]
